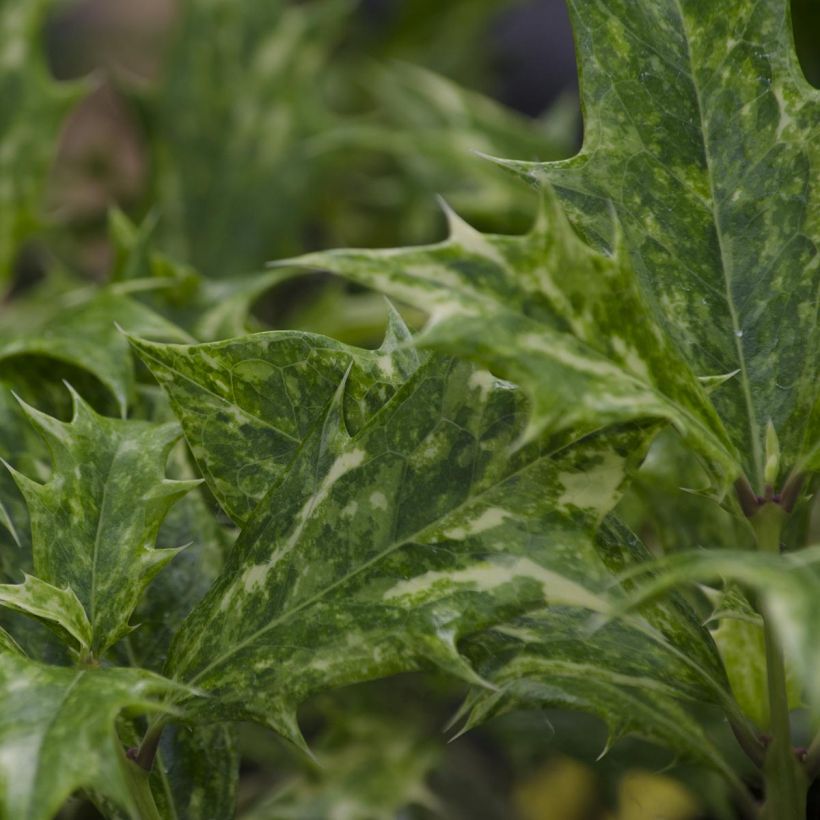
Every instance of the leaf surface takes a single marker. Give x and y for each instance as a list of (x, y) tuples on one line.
[(584, 345), (701, 130), (95, 521), (788, 587), (80, 331), (57, 732), (196, 773), (553, 659), (377, 551), (58, 608), (247, 404)]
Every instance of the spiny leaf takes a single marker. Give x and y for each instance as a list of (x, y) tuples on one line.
[(551, 659), (57, 731), (57, 608), (788, 587), (376, 552), (247, 404), (584, 345), (702, 132), (95, 521), (80, 331)]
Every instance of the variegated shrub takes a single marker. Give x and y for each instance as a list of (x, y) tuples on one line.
[(497, 497)]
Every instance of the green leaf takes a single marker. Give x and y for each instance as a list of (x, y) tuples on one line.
[(196, 772), (80, 331), (182, 583), (58, 608), (57, 732), (788, 587), (21, 447), (553, 659), (8, 644), (584, 346), (376, 552), (671, 502), (214, 166), (373, 766), (95, 521), (33, 107), (743, 649), (247, 404), (703, 134)]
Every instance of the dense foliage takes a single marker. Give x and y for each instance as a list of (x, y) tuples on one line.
[(206, 527)]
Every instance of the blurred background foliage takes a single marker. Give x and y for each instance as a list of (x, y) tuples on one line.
[(153, 157)]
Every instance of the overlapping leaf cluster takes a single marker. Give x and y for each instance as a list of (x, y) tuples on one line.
[(453, 500)]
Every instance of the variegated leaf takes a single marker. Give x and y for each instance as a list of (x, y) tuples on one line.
[(248, 404), (57, 608), (376, 552), (787, 586), (552, 658), (95, 521), (566, 322), (57, 733), (703, 133), (196, 774)]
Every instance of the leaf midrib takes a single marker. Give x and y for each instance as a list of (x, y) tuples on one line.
[(725, 261), (378, 558)]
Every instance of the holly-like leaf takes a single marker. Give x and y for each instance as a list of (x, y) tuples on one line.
[(247, 404), (57, 732), (553, 659), (80, 332), (703, 134), (196, 773), (788, 587), (376, 552), (95, 521), (57, 608), (583, 344)]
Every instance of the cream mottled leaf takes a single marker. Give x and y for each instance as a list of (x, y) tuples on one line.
[(58, 608), (566, 322), (196, 773), (703, 134), (635, 674), (553, 658), (57, 732), (376, 552), (247, 404), (788, 587), (95, 521)]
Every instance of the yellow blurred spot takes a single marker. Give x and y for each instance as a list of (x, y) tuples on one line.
[(645, 796), (563, 789)]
